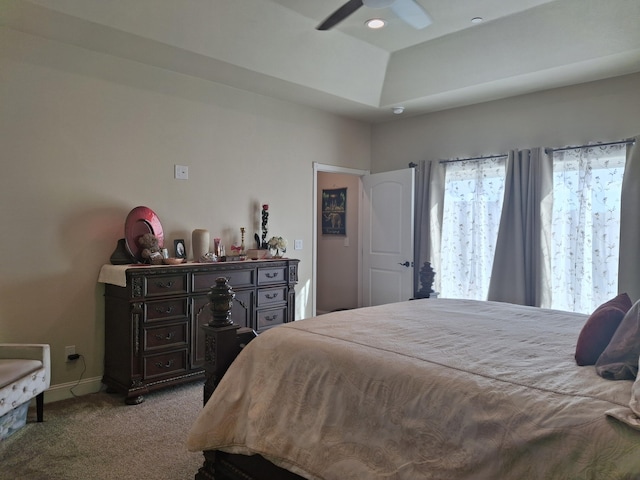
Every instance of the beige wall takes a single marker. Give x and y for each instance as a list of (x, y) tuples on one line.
[(337, 275), (86, 137), (607, 110)]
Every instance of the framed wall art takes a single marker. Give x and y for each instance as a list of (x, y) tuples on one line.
[(334, 211)]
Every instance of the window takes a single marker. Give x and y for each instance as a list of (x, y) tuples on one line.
[(474, 191), (585, 230), (580, 220)]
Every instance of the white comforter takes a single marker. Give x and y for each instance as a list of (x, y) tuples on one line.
[(427, 389)]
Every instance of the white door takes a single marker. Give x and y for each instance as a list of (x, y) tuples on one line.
[(387, 237)]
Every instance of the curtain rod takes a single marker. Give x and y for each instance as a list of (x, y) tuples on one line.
[(473, 158), (620, 142), (548, 150)]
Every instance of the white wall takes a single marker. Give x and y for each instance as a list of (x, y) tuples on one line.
[(607, 110), (86, 137)]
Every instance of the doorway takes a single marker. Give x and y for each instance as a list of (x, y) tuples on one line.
[(381, 206), (336, 261)]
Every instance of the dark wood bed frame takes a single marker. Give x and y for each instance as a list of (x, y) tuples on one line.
[(226, 466), (223, 343)]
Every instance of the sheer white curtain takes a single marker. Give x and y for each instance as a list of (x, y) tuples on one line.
[(585, 227), (588, 219), (473, 196)]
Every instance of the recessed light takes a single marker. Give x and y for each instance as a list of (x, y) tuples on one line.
[(477, 20), (375, 23), (398, 110)]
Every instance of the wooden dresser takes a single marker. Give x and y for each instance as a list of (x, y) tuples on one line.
[(154, 314)]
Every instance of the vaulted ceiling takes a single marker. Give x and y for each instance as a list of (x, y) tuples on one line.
[(272, 47)]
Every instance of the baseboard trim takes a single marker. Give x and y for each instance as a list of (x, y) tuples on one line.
[(62, 391)]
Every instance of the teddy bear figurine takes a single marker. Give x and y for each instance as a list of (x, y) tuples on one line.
[(150, 249)]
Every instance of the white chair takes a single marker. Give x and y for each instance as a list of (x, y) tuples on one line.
[(25, 373)]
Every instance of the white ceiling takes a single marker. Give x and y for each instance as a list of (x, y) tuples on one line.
[(271, 47)]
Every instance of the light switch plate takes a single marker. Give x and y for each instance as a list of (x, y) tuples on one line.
[(181, 172), (297, 244)]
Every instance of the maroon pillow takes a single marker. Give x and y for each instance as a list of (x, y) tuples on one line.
[(599, 329)]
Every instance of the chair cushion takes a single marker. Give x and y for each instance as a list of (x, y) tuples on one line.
[(14, 369)]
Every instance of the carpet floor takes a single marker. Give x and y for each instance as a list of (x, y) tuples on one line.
[(97, 436)]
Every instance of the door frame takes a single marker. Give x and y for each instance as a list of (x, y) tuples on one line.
[(320, 167)]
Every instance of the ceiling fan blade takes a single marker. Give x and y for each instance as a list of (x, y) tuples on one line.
[(340, 14), (411, 13)]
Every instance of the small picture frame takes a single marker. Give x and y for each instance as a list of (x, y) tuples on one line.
[(180, 248)]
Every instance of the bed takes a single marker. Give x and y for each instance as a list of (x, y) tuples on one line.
[(424, 389)]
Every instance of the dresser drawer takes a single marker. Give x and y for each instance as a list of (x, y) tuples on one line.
[(157, 285), (165, 363), (166, 309), (202, 282), (270, 296), (271, 318), (174, 335), (270, 275)]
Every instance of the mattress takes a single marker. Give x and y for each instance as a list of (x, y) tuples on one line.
[(430, 389)]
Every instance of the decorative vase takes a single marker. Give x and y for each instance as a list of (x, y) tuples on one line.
[(199, 243)]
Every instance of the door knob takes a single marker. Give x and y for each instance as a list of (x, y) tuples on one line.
[(405, 264)]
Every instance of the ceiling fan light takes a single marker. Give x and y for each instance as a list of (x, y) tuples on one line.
[(375, 23)]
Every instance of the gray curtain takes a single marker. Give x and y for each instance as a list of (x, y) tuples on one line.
[(629, 259), (518, 267), (428, 213)]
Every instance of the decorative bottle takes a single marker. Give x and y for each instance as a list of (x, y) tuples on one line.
[(199, 243)]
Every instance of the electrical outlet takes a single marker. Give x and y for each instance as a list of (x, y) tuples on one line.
[(69, 350), (297, 244)]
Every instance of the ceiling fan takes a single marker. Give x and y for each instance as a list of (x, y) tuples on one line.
[(409, 11)]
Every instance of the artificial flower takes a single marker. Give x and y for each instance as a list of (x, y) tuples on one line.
[(278, 243)]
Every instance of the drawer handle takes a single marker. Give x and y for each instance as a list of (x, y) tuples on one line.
[(168, 309), (168, 336), (168, 284), (271, 318), (169, 364), (271, 296), (271, 275), (137, 313)]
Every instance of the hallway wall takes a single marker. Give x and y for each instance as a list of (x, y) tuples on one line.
[(337, 276)]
